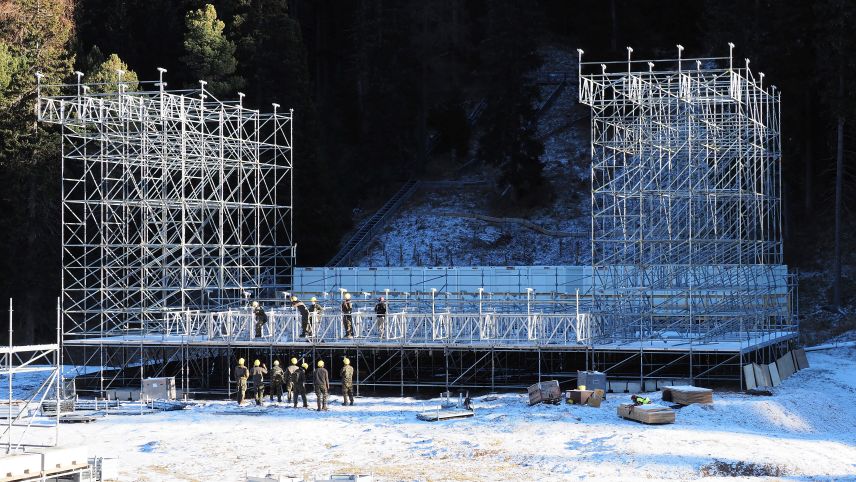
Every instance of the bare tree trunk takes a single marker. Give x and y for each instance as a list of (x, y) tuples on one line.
[(614, 16), (808, 154), (839, 174)]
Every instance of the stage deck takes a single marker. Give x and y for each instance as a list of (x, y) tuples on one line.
[(750, 343)]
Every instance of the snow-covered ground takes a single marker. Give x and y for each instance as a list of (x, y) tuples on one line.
[(422, 234), (806, 430)]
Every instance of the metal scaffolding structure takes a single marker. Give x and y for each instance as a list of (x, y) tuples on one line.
[(177, 207), (171, 200), (686, 199)]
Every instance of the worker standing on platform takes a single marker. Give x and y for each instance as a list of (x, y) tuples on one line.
[(380, 316), (277, 377), (261, 318), (298, 382), (305, 328), (258, 375), (241, 376), (347, 321), (322, 386), (347, 375), (315, 310), (289, 383)]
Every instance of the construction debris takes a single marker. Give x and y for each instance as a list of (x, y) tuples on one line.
[(548, 392), (449, 409), (687, 394), (594, 400), (592, 380), (651, 413)]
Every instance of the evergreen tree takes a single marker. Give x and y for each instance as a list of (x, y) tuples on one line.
[(34, 37), (509, 141), (106, 74), (273, 59), (209, 55)]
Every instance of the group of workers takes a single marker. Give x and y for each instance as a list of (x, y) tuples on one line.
[(315, 309), (293, 379)]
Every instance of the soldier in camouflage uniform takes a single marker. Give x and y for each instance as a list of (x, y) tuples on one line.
[(241, 376), (298, 380), (289, 384), (347, 374), (277, 377), (258, 375)]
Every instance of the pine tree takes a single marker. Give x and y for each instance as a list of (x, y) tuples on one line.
[(34, 37), (106, 75), (209, 55)]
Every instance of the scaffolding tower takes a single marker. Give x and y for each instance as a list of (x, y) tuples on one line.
[(171, 200), (686, 199)]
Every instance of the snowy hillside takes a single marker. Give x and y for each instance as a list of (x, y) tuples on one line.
[(806, 430), (426, 232)]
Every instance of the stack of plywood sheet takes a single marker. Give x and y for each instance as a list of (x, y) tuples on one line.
[(545, 392), (687, 394), (772, 374), (650, 413)]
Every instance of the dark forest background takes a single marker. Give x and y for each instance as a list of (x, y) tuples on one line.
[(371, 81)]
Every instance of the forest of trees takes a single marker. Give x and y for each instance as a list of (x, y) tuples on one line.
[(371, 81)]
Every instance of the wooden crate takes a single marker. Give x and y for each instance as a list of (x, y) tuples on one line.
[(652, 414), (545, 392), (686, 395), (596, 398)]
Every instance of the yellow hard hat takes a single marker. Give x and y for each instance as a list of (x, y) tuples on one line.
[(347, 296), (313, 299), (294, 361), (240, 361), (305, 366), (346, 361), (293, 298), (321, 364), (276, 363), (256, 363), (255, 304)]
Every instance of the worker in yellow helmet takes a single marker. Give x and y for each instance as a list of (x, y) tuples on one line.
[(347, 375), (298, 383), (277, 378), (347, 321), (289, 380), (305, 329), (315, 310), (241, 376), (322, 386), (258, 375)]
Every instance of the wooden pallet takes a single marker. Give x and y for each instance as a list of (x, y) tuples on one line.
[(687, 394), (652, 414)]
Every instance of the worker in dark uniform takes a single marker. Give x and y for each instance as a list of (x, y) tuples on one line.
[(347, 321), (380, 316), (261, 318), (277, 378), (305, 328), (241, 376), (258, 375), (322, 386), (347, 376), (289, 384), (298, 383)]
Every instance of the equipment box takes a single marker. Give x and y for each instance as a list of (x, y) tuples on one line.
[(592, 380), (159, 388)]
